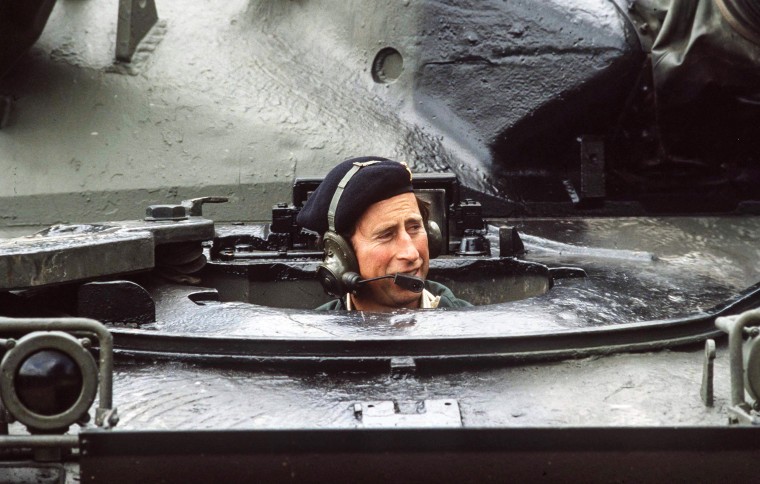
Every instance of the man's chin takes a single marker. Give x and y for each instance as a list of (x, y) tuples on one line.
[(388, 294), (403, 298)]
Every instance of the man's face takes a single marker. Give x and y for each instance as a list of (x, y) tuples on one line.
[(390, 237)]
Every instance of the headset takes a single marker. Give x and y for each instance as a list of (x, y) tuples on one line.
[(339, 270)]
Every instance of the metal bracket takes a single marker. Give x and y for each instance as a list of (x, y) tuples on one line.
[(740, 410), (194, 206), (510, 243), (707, 393), (402, 367), (734, 326), (389, 414), (136, 18)]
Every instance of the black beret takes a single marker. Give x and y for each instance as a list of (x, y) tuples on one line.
[(377, 179)]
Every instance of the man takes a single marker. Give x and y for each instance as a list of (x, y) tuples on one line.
[(370, 203)]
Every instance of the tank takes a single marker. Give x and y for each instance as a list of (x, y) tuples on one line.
[(591, 163)]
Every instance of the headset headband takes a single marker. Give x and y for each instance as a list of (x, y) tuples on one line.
[(339, 191)]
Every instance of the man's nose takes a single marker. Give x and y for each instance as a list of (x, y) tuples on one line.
[(406, 249)]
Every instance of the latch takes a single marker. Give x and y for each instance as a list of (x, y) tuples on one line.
[(414, 414)]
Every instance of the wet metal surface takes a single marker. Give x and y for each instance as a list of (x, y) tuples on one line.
[(647, 268), (639, 270), (622, 390)]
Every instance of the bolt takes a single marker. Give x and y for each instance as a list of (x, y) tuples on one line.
[(113, 419), (165, 212)]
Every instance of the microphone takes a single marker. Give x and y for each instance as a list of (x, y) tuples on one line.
[(352, 280)]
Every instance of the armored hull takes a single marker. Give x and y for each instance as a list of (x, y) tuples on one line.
[(593, 174)]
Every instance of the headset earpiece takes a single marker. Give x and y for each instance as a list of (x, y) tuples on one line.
[(339, 264), (435, 239)]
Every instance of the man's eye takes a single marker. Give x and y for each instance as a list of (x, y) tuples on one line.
[(385, 235), (415, 228)]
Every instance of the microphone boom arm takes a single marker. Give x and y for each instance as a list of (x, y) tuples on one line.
[(410, 283)]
